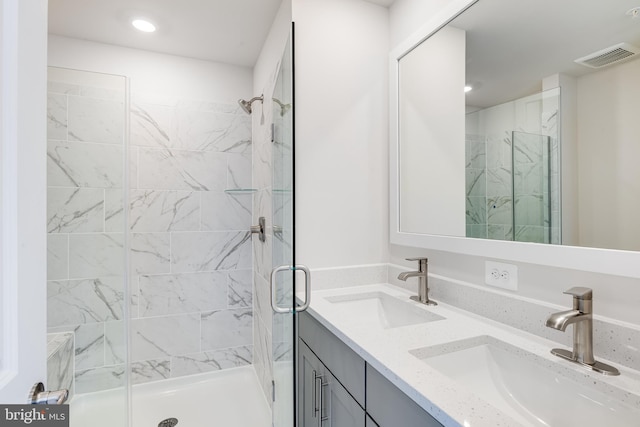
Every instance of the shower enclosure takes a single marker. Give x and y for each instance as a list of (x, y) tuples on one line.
[(157, 290), (512, 170)]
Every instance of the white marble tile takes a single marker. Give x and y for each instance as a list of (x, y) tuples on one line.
[(262, 255), (89, 344), (96, 120), (213, 131), (158, 337), (72, 302), (226, 212), (208, 251), (63, 88), (102, 378), (76, 164), (531, 233), (104, 93), (153, 125), (262, 355), (213, 360), (57, 256), (75, 210), (150, 253), (57, 116), (240, 289), (238, 170), (182, 293), (499, 232), (150, 370), (499, 210), (114, 342), (262, 301), (262, 161), (114, 210), (209, 106), (96, 255), (60, 362), (153, 210), (476, 210), (134, 154), (181, 170), (475, 182), (498, 182), (227, 328)]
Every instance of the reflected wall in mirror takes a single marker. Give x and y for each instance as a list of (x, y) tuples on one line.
[(506, 132)]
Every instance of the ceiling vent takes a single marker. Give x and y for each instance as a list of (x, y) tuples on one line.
[(609, 56)]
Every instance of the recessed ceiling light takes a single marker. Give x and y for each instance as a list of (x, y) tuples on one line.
[(143, 25), (468, 89)]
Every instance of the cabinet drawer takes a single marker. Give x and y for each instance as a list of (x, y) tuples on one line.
[(343, 362), (390, 407)]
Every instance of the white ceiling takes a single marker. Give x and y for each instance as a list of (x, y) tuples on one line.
[(512, 45), (229, 31)]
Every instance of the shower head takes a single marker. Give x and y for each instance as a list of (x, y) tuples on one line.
[(246, 105), (284, 108)]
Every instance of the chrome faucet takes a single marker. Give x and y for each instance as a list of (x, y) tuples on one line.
[(423, 281), (581, 317)]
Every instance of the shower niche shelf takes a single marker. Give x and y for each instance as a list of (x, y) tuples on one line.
[(240, 190)]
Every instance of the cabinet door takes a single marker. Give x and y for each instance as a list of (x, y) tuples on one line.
[(342, 409), (370, 423), (311, 382)]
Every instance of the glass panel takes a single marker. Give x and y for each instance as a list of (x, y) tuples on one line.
[(531, 188), (86, 123), (283, 240)]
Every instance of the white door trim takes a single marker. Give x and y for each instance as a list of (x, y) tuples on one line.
[(23, 261)]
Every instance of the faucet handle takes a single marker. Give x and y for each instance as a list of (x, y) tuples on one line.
[(417, 259), (580, 292)]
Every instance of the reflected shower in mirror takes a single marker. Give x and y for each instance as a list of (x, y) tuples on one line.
[(523, 132)]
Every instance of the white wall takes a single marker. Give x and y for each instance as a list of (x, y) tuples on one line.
[(406, 16), (608, 152), (341, 132), (150, 73)]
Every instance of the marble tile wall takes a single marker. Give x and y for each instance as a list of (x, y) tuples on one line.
[(60, 362), (500, 171), (190, 277)]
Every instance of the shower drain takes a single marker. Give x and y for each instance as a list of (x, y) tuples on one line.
[(169, 422)]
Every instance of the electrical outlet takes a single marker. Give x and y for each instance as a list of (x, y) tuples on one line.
[(501, 275)]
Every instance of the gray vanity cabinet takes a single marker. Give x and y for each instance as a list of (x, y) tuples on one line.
[(336, 388), (390, 407), (369, 422), (323, 401)]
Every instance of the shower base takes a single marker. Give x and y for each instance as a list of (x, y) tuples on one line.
[(232, 397)]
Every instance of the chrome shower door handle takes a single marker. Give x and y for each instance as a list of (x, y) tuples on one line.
[(307, 288)]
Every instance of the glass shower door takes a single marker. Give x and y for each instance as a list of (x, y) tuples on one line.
[(283, 260), (531, 188)]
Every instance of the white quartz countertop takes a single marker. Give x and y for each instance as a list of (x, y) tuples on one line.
[(451, 403)]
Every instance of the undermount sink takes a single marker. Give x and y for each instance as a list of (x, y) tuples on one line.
[(386, 310), (530, 388)]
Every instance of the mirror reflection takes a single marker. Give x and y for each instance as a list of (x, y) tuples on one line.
[(517, 122)]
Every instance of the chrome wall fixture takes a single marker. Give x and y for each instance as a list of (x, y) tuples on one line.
[(246, 105), (260, 229)]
